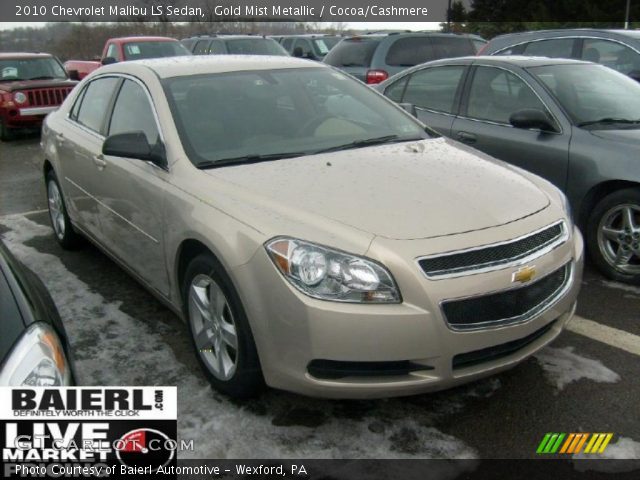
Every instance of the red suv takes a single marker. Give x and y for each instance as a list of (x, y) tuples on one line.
[(31, 86)]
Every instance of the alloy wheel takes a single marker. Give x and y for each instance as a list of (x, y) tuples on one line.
[(56, 209), (619, 238), (213, 327)]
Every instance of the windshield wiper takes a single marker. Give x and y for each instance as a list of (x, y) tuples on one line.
[(12, 79), (608, 121), (244, 159), (367, 142), (43, 77)]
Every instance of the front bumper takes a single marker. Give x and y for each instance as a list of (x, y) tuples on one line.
[(295, 333)]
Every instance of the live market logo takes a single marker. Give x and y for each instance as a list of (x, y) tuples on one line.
[(100, 431)]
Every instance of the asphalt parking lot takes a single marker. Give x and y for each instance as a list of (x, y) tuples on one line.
[(586, 381)]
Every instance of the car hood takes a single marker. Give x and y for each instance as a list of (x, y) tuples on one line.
[(630, 135), (28, 84), (402, 191)]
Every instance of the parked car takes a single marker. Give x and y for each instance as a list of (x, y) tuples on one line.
[(375, 57), (127, 48), (31, 85), (617, 49), (233, 45), (310, 232), (311, 46), (34, 349), (575, 123)]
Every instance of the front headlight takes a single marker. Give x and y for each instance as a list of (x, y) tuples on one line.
[(328, 274), (19, 97), (37, 360)]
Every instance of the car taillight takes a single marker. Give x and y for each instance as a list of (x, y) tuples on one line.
[(376, 76)]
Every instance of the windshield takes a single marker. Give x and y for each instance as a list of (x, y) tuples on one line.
[(255, 46), (291, 112), (43, 68), (592, 93), (140, 50)]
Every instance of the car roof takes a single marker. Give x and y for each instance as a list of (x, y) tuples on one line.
[(142, 38), (525, 62), (203, 64), (226, 36), (571, 31), (425, 33), (15, 55)]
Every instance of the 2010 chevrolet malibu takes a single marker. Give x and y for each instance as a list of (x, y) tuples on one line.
[(314, 236)]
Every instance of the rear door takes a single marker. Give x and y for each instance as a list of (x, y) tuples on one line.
[(434, 91), (492, 95)]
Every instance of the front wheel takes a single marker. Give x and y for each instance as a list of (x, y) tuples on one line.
[(6, 134), (613, 236), (219, 329)]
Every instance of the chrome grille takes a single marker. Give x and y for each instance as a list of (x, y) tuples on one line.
[(509, 306), (492, 255), (47, 97)]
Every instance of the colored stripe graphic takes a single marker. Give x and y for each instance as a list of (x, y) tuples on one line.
[(573, 443)]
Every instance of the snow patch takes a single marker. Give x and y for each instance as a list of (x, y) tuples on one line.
[(112, 348), (621, 286), (562, 367)]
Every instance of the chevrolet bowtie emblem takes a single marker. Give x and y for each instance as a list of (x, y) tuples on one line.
[(524, 274)]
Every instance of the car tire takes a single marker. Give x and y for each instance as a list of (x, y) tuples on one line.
[(6, 134), (613, 236), (220, 331), (63, 230)]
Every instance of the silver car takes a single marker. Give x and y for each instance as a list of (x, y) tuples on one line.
[(314, 236)]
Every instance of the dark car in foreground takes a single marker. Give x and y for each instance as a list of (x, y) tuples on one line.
[(375, 57), (34, 349), (617, 49), (31, 86), (574, 123), (222, 44)]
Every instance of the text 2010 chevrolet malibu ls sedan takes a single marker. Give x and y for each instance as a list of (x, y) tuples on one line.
[(314, 235)]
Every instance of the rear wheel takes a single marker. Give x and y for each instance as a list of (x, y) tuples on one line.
[(613, 236), (62, 228), (219, 329)]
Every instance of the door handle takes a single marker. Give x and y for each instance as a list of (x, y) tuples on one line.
[(60, 137), (99, 162), (467, 137)]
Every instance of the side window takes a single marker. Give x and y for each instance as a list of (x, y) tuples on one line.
[(217, 48), (95, 103), (495, 94), (434, 88), (132, 112), (395, 91), (553, 48), (513, 50), (409, 51), (76, 106), (202, 47), (286, 43), (305, 45), (612, 54), (112, 51)]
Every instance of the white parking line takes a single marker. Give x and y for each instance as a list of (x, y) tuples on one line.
[(22, 214), (611, 336)]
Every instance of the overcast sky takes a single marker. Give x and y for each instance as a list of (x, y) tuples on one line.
[(353, 25)]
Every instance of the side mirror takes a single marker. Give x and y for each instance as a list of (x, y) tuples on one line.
[(108, 61), (135, 145), (532, 118), (297, 52), (409, 108), (74, 74)]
